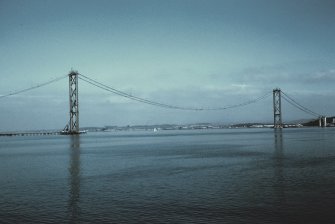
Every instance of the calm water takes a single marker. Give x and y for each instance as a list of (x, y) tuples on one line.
[(208, 176)]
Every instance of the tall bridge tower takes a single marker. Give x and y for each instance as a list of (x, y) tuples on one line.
[(277, 116), (73, 127)]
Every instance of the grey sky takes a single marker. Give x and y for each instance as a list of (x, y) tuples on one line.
[(189, 53)]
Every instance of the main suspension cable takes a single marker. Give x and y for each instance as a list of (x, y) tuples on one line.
[(294, 103), (33, 87), (142, 100)]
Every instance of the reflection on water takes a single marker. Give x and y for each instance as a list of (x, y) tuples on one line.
[(74, 179), (278, 133), (279, 151), (279, 178)]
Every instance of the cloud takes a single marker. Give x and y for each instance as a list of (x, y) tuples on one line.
[(311, 73), (321, 77)]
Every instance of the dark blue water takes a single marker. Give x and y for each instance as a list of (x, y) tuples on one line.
[(207, 176)]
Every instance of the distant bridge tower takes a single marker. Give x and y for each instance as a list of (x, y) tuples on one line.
[(277, 116), (73, 127)]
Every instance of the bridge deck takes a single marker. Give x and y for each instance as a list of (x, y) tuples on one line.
[(41, 133), (30, 133)]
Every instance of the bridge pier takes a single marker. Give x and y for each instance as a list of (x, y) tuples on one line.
[(73, 126), (322, 121), (277, 115)]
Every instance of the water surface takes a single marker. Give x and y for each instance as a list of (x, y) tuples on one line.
[(202, 176)]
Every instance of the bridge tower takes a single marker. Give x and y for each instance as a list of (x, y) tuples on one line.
[(277, 116), (73, 127)]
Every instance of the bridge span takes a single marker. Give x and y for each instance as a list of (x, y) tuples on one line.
[(72, 127)]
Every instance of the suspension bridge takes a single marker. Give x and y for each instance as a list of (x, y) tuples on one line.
[(73, 128)]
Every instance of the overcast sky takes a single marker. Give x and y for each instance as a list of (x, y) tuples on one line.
[(186, 52)]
